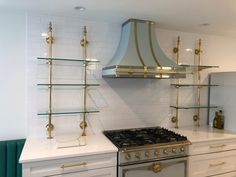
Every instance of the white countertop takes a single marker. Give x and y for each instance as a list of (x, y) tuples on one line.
[(44, 149), (204, 133)]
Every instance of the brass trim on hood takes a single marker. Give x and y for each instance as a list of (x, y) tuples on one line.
[(151, 46), (139, 54), (136, 44)]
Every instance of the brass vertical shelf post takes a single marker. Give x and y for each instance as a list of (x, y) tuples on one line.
[(175, 119), (84, 43), (50, 41), (198, 52)]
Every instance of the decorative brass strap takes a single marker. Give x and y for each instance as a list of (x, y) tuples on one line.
[(136, 44), (217, 146), (151, 46), (217, 164), (73, 165), (152, 71)]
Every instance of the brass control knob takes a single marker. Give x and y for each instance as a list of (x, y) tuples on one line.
[(165, 151), (182, 149), (147, 153), (127, 156), (138, 155), (156, 153), (173, 150)]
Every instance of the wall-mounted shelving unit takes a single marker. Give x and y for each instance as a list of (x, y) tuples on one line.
[(196, 70), (85, 110)]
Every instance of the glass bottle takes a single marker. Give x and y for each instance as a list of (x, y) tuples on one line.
[(215, 121)]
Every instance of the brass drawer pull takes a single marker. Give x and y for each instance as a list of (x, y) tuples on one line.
[(73, 165), (217, 164), (217, 146)]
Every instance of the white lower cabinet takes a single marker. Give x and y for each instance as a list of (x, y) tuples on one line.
[(212, 164), (220, 163), (99, 165)]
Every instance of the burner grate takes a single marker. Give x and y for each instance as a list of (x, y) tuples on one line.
[(143, 136)]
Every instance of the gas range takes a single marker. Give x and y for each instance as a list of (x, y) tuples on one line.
[(147, 144)]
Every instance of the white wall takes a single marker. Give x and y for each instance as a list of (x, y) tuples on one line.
[(12, 75), (122, 102)]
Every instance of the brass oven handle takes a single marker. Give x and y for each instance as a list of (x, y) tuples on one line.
[(73, 165), (156, 168), (217, 146), (217, 164)]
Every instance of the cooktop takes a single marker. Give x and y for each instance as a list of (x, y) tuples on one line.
[(142, 136)]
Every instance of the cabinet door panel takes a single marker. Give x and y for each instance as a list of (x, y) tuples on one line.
[(212, 164), (176, 170)]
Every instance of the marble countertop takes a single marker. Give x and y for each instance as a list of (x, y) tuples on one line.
[(204, 133), (45, 149)]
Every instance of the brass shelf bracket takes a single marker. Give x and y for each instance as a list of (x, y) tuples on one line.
[(50, 40), (175, 119), (198, 51), (84, 42)]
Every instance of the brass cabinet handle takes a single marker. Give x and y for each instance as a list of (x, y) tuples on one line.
[(217, 164), (73, 165), (217, 146), (156, 167)]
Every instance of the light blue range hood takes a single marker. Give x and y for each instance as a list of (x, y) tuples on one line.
[(140, 56)]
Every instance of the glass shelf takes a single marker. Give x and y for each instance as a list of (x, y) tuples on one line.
[(201, 67), (194, 85), (193, 107), (68, 85), (69, 59), (67, 113)]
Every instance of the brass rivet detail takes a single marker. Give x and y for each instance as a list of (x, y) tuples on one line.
[(83, 124), (195, 118), (175, 50), (174, 119)]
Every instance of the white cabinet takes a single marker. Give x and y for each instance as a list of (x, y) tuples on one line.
[(212, 146), (212, 158), (99, 165)]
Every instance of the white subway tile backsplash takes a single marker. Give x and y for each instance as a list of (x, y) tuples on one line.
[(123, 103)]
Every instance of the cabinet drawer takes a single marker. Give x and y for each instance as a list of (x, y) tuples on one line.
[(104, 172), (212, 146), (69, 165), (212, 164)]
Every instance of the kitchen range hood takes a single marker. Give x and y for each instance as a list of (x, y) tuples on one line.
[(140, 56)]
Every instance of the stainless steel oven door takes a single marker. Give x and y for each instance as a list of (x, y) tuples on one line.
[(164, 168)]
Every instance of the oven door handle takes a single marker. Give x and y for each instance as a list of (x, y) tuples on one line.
[(156, 167)]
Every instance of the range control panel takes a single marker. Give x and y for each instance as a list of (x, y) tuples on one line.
[(145, 154)]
